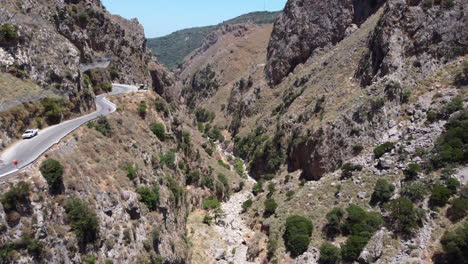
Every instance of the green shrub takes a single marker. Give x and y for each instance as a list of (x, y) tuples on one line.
[(86, 80), (458, 209), (208, 181), (454, 244), (297, 233), (33, 246), (432, 116), (223, 179), (239, 167), (353, 246), (382, 149), (52, 171), (203, 115), (414, 191), (412, 171), (207, 220), (452, 145), (83, 19), (440, 195), (161, 106), (55, 109), (211, 204), (348, 169), (456, 104), (329, 254), (290, 194), (357, 149), (405, 96), (362, 223), (215, 134), (103, 126), (377, 104), (176, 189), (114, 75), (270, 207), (265, 154), (168, 159), (193, 177), (383, 191), (149, 196), (16, 196), (403, 215), (142, 109), (335, 221), (83, 220), (257, 188), (452, 184), (224, 165), (107, 87), (159, 130), (131, 172), (319, 105), (461, 77), (8, 34), (247, 204), (90, 259)]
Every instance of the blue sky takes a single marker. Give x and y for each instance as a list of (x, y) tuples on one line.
[(161, 17)]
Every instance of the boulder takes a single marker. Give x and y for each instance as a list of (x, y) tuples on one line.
[(374, 248)]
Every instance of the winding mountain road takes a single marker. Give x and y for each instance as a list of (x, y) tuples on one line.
[(28, 150)]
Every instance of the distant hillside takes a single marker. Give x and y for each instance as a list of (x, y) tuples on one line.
[(172, 49)]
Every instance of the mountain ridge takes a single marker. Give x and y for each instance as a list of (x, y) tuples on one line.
[(172, 49)]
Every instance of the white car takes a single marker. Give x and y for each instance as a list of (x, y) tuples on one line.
[(30, 133)]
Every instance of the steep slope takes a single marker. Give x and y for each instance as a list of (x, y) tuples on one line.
[(303, 26), (137, 182), (172, 49), (72, 50), (378, 101)]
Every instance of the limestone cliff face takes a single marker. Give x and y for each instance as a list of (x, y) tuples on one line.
[(58, 40), (412, 36), (60, 44), (306, 25)]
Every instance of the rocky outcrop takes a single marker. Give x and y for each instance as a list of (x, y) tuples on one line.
[(56, 38), (374, 248), (415, 36), (58, 42), (310, 24)]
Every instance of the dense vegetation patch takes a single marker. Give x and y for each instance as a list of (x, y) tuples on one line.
[(270, 207), (297, 234), (461, 77), (454, 244), (8, 34), (27, 242), (158, 130), (52, 171), (149, 196), (382, 149), (83, 220), (142, 107), (102, 125), (16, 202), (452, 145), (329, 254), (383, 191), (264, 153), (404, 217), (359, 226)]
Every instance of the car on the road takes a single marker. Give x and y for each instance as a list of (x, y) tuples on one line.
[(143, 87), (30, 133)]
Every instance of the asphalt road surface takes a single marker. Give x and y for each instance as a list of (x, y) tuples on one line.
[(27, 151)]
